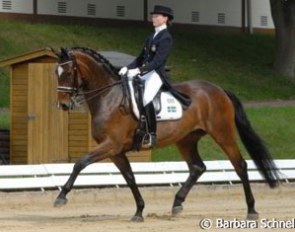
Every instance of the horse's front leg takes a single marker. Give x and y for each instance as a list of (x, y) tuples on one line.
[(123, 165), (101, 152)]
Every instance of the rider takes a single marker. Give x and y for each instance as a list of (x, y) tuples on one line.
[(150, 65)]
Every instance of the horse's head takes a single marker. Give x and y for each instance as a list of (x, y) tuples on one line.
[(82, 71), (68, 79)]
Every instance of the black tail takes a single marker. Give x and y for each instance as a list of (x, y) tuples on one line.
[(254, 144)]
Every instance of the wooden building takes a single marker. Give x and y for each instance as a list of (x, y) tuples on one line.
[(39, 132)]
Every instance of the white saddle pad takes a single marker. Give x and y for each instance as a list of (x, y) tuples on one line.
[(171, 108)]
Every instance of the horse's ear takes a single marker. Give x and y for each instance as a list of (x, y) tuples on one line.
[(55, 52), (63, 54)]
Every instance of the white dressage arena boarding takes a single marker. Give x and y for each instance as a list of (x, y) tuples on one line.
[(48, 176)]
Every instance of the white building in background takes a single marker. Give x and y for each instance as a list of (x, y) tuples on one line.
[(218, 12), (223, 13), (16, 6), (106, 9)]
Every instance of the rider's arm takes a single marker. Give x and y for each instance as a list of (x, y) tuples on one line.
[(160, 57)]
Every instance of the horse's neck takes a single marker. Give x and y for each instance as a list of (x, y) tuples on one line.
[(97, 81), (98, 78), (94, 74), (105, 103)]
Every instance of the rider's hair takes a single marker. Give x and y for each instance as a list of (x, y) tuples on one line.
[(169, 23)]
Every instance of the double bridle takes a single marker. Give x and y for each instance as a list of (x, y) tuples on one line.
[(75, 91), (65, 89)]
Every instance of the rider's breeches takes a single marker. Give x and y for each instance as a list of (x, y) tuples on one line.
[(153, 84)]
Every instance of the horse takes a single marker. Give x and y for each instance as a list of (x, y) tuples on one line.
[(213, 111)]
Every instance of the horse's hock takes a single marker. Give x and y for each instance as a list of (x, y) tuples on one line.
[(39, 132)]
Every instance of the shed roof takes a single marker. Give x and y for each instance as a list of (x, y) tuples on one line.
[(118, 59), (27, 57)]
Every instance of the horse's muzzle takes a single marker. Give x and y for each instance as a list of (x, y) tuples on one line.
[(64, 106)]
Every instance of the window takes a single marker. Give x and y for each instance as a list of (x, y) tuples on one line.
[(6, 5), (91, 9), (121, 11), (221, 18), (195, 16), (264, 21), (62, 7)]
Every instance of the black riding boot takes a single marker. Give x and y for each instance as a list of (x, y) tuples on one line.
[(150, 139)]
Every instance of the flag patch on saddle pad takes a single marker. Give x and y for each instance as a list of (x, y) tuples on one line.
[(171, 108)]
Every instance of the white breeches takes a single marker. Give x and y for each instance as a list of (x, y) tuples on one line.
[(152, 85)]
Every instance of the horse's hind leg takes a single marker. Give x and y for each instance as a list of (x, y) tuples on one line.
[(227, 142), (189, 151), (123, 165)]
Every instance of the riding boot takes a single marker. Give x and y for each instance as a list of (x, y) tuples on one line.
[(150, 140)]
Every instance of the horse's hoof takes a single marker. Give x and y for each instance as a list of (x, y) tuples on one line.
[(137, 219), (177, 210), (59, 202), (252, 216)]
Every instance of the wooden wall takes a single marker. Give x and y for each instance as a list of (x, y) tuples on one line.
[(18, 112), (79, 135)]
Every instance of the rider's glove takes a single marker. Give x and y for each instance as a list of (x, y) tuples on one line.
[(133, 72), (123, 71)]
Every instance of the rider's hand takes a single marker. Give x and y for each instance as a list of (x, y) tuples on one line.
[(133, 72), (123, 71)]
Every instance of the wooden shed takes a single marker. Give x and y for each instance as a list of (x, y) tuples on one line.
[(39, 132)]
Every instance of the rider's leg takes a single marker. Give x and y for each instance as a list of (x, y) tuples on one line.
[(153, 84), (152, 124)]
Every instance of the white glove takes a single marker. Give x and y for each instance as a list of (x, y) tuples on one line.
[(133, 72), (123, 71)]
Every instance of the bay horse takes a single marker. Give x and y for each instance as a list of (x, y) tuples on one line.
[(213, 111)]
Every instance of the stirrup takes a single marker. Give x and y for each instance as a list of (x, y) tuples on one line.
[(148, 140)]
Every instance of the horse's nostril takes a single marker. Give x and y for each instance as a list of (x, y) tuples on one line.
[(64, 106)]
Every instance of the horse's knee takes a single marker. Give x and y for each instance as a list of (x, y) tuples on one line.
[(241, 168), (197, 170), (130, 179)]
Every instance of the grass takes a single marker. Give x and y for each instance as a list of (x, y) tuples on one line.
[(276, 125), (238, 62), (4, 120), (4, 89)]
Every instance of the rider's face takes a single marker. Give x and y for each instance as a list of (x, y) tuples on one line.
[(159, 20)]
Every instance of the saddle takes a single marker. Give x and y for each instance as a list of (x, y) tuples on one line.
[(166, 106)]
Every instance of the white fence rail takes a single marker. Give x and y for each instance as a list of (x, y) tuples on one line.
[(13, 177)]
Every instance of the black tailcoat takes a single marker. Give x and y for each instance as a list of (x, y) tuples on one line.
[(153, 56)]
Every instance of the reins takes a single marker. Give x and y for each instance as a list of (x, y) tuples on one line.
[(97, 91)]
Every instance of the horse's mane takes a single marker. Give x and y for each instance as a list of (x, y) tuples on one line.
[(100, 59)]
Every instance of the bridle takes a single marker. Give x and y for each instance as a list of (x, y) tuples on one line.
[(66, 89), (76, 90)]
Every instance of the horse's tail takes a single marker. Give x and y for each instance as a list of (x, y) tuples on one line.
[(254, 144)]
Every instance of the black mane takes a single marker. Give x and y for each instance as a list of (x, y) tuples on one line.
[(100, 59)]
